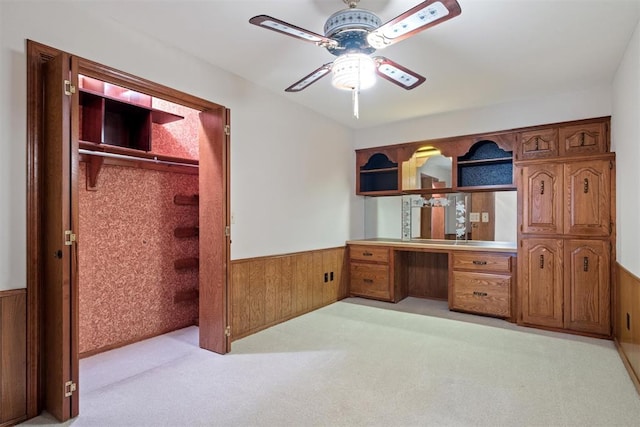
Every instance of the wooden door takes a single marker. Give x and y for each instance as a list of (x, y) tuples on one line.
[(59, 353), (542, 199), (214, 237), (541, 282), (587, 295), (583, 139), (588, 198)]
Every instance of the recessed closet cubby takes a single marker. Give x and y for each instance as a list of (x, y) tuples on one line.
[(116, 116)]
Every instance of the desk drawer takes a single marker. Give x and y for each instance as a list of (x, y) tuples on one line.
[(370, 280), (482, 293), (369, 253), (481, 261)]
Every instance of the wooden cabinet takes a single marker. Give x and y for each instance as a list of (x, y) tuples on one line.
[(117, 116), (584, 138), (588, 197), (566, 284), (587, 295), (541, 282), (538, 144), (567, 198), (377, 172), (566, 206), (481, 283), (541, 192), (370, 272), (485, 165)]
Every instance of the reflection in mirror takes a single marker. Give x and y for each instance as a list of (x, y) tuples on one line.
[(426, 169), (489, 216)]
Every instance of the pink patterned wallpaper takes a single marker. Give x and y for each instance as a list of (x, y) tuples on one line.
[(179, 138), (126, 255)]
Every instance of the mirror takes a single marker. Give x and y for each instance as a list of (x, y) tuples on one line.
[(426, 169), (489, 216)]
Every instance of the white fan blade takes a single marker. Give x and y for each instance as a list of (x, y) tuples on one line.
[(397, 74), (419, 18), (310, 78), (285, 28)]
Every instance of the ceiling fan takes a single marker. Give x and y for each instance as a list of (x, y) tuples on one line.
[(353, 34)]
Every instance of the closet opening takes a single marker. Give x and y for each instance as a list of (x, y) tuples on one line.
[(127, 218), (138, 258)]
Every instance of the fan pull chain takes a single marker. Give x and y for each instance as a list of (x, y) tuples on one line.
[(354, 98)]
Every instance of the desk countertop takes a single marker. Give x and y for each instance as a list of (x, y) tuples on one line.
[(439, 245)]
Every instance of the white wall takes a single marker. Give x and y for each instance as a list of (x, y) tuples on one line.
[(595, 102), (625, 136), (292, 174)]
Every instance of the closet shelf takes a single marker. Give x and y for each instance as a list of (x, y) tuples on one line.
[(184, 232), (185, 295), (186, 263), (184, 200)]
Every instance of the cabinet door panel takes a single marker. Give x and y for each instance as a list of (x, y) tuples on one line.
[(588, 198), (541, 287), (538, 144), (583, 139), (587, 286), (542, 195)]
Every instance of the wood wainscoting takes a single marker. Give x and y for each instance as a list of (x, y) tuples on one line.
[(13, 356), (627, 322), (269, 290)]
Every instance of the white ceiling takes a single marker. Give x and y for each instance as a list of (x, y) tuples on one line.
[(495, 51)]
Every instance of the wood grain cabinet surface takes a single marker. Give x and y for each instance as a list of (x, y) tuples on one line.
[(369, 273), (538, 144), (585, 138), (481, 283)]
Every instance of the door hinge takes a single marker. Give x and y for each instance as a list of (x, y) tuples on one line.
[(69, 388), (227, 231), (69, 238), (227, 130), (69, 88), (227, 331)]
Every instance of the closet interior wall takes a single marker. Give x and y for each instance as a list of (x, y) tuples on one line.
[(129, 285)]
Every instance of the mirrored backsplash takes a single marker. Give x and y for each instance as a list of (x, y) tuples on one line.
[(486, 216)]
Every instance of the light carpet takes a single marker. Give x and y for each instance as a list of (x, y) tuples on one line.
[(363, 363)]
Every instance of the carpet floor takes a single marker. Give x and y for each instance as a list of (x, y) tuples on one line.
[(362, 363)]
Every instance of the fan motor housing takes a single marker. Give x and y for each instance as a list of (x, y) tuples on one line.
[(350, 27)]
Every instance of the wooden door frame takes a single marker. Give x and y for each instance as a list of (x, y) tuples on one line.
[(37, 55)]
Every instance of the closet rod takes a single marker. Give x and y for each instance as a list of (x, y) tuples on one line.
[(137, 159)]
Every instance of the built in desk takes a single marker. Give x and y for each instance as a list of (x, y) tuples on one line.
[(473, 276)]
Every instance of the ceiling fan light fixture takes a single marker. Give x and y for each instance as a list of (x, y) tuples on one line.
[(353, 71)]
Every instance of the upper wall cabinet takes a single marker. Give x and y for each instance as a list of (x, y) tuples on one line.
[(481, 162), (114, 115), (538, 144), (377, 173), (485, 165), (585, 138)]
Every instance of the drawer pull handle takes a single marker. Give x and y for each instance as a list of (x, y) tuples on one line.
[(586, 185), (480, 262), (367, 280), (480, 294), (541, 261), (542, 187), (585, 264), (367, 254)]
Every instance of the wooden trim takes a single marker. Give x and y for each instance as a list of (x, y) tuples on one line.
[(13, 356), (287, 254), (627, 321), (268, 290), (37, 56)]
